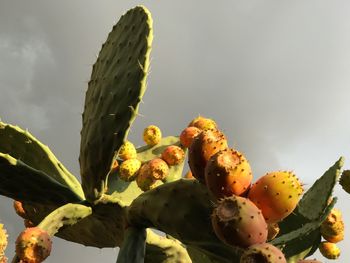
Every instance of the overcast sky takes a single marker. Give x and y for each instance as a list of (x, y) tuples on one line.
[(275, 75)]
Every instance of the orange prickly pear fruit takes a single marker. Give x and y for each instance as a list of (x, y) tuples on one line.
[(33, 245), (173, 155), (263, 253), (344, 180), (17, 205), (228, 173), (332, 228), (203, 123), (159, 169), (127, 151), (187, 136), (276, 194), (189, 175), (145, 181), (128, 169), (329, 250), (204, 146), (152, 135), (237, 221)]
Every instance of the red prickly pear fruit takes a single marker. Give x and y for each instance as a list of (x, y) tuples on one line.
[(237, 221), (332, 228), (173, 155), (263, 253), (189, 175), (17, 205), (203, 123), (204, 146), (309, 261), (228, 173), (159, 169), (329, 250), (152, 135), (127, 151), (273, 230), (276, 194), (187, 136), (33, 245), (344, 181)]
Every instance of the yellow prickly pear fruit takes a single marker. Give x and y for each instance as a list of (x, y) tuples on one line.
[(3, 243), (33, 245), (203, 123), (332, 228), (173, 155), (329, 250), (127, 151), (152, 135), (344, 180), (128, 169)]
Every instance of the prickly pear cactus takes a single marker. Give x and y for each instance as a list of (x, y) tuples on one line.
[(110, 209)]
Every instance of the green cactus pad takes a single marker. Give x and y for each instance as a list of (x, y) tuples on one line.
[(315, 200), (118, 82), (21, 182), (190, 224), (134, 245), (24, 146), (164, 250), (68, 214)]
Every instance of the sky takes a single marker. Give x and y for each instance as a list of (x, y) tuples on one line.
[(273, 74)]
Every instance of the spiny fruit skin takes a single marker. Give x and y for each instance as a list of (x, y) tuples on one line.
[(237, 221), (3, 243), (228, 173), (33, 245), (329, 250), (152, 135), (276, 194), (159, 169), (128, 169), (263, 253), (127, 151), (173, 155), (344, 181), (204, 146), (332, 228), (144, 179), (203, 123), (187, 136), (17, 205)]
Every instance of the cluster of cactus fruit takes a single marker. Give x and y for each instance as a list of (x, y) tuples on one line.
[(214, 213)]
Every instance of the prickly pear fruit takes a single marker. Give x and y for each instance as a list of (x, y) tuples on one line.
[(205, 145), (276, 194), (273, 230), (344, 180), (158, 169), (329, 250), (263, 253), (173, 155), (152, 135), (144, 179), (128, 169), (332, 228), (187, 136), (203, 123), (3, 243), (238, 222), (17, 205), (33, 245), (189, 175), (228, 173), (309, 261), (127, 151)]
